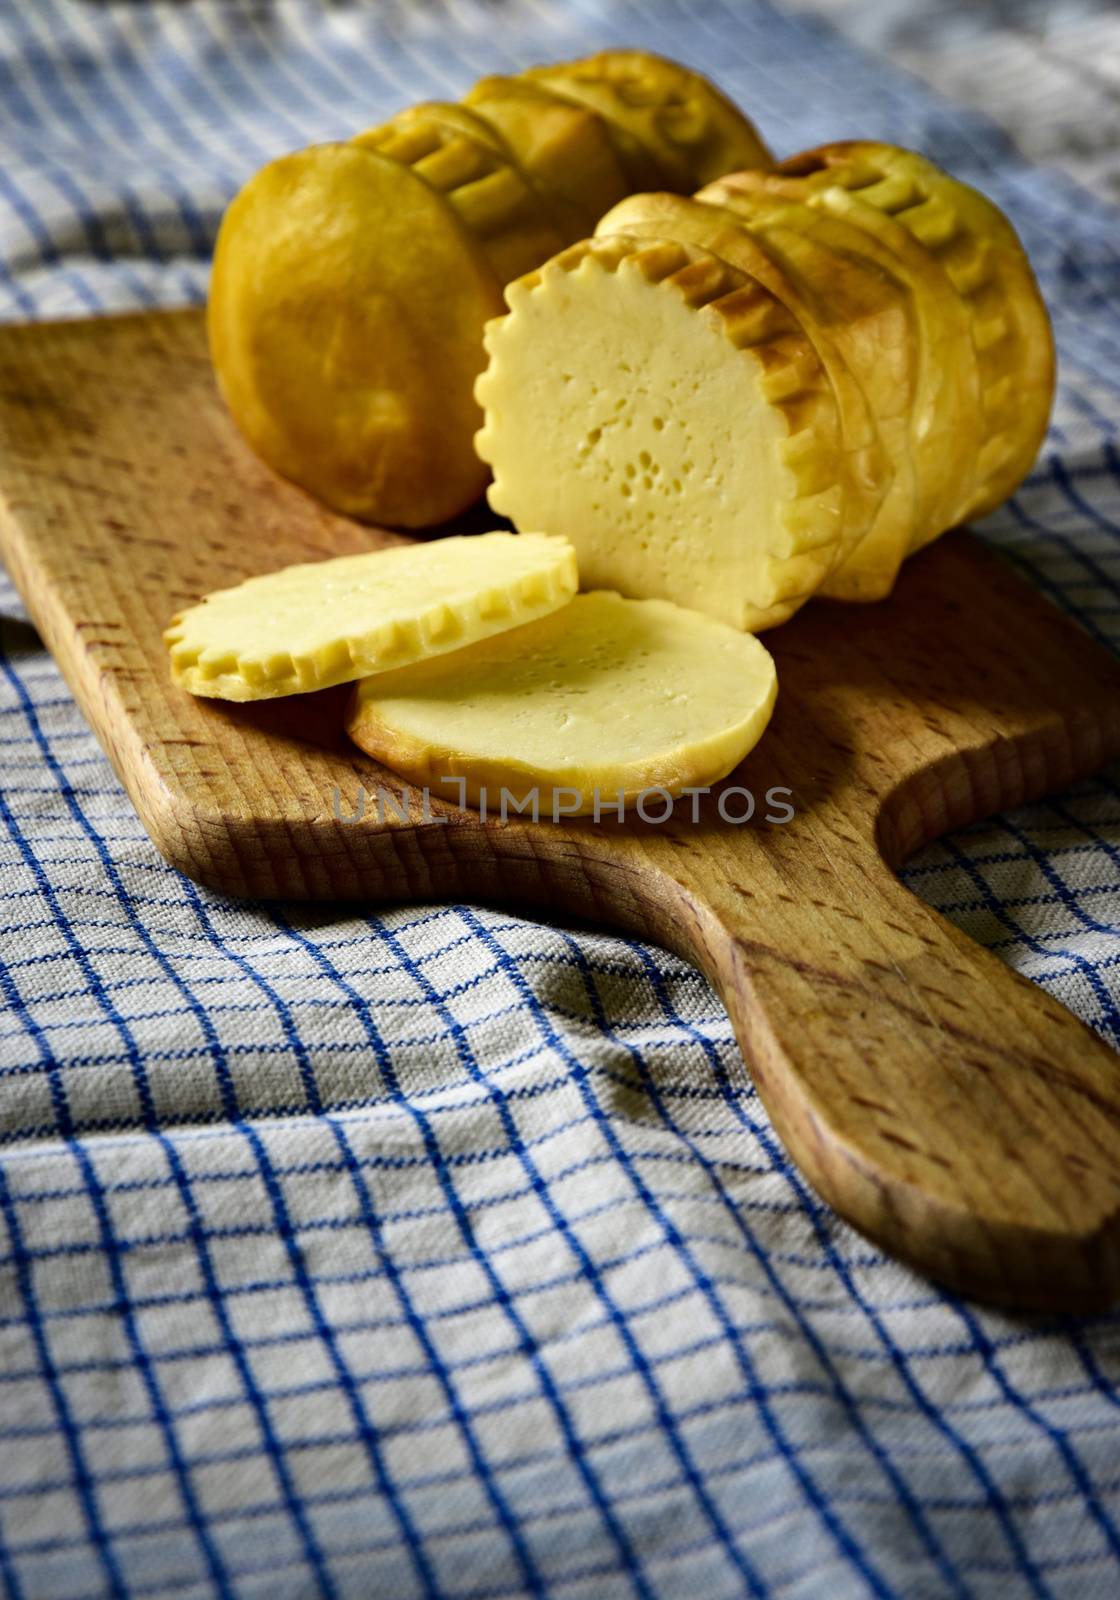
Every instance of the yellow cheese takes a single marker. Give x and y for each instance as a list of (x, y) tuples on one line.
[(307, 627), (947, 419), (869, 314), (946, 423), (347, 301), (982, 256), (489, 192), (606, 697), (671, 418), (868, 473), (671, 126), (564, 147)]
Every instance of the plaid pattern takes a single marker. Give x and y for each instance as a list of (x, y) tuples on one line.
[(438, 1252)]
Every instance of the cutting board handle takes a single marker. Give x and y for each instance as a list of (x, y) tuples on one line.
[(950, 1109)]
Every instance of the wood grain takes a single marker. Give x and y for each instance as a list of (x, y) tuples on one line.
[(952, 1111)]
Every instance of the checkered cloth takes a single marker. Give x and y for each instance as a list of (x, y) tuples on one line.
[(438, 1252)]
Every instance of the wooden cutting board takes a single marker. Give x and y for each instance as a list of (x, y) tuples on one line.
[(951, 1110)]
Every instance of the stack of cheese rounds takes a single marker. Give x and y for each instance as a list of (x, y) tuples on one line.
[(778, 388), (351, 282)]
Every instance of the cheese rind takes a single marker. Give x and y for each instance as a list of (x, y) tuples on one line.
[(563, 146), (672, 127), (946, 423), (493, 198), (671, 418), (606, 697), (984, 259), (867, 310), (310, 626)]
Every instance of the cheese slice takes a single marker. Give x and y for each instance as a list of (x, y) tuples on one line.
[(671, 418), (310, 626), (605, 698)]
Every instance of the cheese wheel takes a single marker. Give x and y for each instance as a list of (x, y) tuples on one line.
[(347, 300), (310, 626), (606, 698), (984, 259), (671, 418)]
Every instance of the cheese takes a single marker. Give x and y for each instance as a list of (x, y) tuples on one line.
[(672, 128), (947, 422), (346, 306), (866, 469), (670, 417), (983, 258), (504, 214), (606, 697), (563, 146), (309, 626), (869, 314)]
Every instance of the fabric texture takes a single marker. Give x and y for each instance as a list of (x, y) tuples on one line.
[(439, 1252)]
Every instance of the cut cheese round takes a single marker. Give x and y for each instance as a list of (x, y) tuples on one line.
[(869, 313), (670, 417), (984, 259), (347, 301), (671, 126), (310, 626), (607, 697), (868, 472)]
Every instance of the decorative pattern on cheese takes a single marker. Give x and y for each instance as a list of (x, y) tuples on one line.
[(868, 312), (310, 626), (946, 422), (489, 193), (606, 698), (563, 146), (672, 128)]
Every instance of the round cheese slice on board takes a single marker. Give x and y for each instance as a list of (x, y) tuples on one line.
[(606, 698), (310, 626)]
